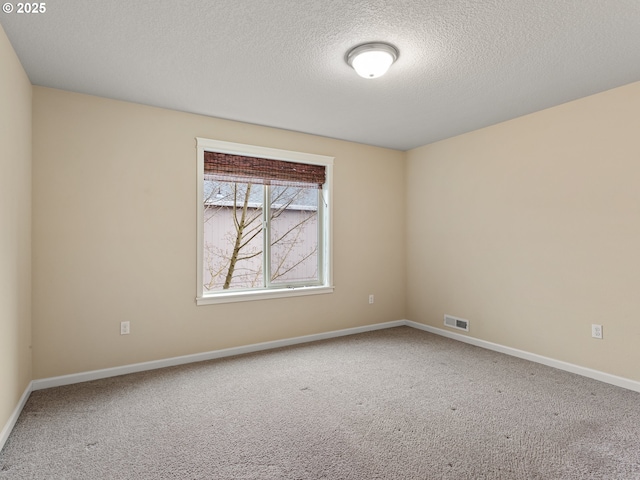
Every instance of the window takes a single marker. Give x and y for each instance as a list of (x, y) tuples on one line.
[(264, 219)]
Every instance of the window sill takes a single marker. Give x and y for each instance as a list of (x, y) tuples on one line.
[(248, 296)]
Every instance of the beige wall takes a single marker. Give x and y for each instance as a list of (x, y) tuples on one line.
[(15, 230), (114, 206), (531, 230), (528, 228)]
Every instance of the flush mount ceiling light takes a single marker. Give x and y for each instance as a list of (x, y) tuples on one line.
[(372, 60)]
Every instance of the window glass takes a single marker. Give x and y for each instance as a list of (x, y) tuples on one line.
[(233, 235), (264, 222), (294, 240)]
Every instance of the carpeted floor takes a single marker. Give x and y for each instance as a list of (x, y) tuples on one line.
[(392, 404)]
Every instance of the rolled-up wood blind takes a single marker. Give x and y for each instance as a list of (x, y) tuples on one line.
[(238, 168)]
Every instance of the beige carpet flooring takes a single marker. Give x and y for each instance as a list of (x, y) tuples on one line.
[(392, 404)]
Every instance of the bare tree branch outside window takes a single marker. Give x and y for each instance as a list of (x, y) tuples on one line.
[(234, 245)]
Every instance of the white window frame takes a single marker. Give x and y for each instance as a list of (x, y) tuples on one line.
[(263, 293)]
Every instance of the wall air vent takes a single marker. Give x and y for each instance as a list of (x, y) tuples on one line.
[(455, 322)]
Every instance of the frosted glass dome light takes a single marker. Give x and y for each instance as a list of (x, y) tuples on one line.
[(372, 60)]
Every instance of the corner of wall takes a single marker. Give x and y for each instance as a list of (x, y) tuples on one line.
[(15, 232)]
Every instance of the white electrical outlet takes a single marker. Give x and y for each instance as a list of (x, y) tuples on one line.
[(596, 331), (371, 298), (125, 328)]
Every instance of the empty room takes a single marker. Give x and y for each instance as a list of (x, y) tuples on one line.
[(320, 240)]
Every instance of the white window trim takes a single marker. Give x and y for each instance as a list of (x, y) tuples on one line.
[(205, 144)]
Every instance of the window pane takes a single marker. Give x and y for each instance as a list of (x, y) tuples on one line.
[(294, 234), (233, 236)]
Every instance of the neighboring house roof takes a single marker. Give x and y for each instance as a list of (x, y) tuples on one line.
[(221, 194)]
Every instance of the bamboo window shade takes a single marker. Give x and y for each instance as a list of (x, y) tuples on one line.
[(239, 168)]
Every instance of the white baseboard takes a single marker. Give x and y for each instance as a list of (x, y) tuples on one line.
[(550, 362), (199, 357), (256, 347), (4, 434)]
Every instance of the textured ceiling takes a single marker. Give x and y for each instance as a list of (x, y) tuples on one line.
[(463, 64)]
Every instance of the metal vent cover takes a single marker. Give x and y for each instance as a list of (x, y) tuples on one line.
[(455, 322)]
